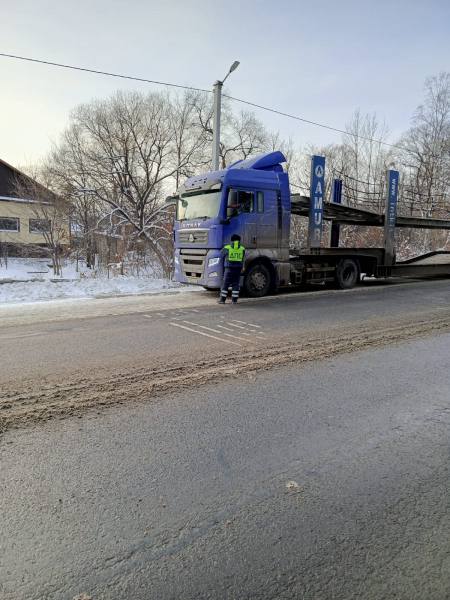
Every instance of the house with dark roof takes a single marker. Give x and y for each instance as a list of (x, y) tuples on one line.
[(22, 223)]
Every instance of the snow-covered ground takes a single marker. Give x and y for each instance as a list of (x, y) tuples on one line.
[(31, 280), (24, 269)]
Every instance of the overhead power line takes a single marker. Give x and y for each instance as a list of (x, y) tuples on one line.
[(187, 87), (346, 176), (97, 72), (315, 123)]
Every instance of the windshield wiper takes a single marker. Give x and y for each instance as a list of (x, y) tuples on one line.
[(194, 218)]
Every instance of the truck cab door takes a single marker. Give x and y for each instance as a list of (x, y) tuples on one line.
[(242, 216), (267, 220)]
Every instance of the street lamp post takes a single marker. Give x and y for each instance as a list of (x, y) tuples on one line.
[(217, 91)]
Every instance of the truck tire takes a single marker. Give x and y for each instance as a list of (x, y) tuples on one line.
[(257, 281), (347, 274)]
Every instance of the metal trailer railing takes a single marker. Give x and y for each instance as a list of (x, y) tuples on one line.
[(435, 263)]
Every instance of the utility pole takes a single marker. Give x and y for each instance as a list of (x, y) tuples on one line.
[(217, 91)]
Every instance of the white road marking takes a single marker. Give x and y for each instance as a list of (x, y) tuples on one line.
[(234, 325), (242, 332), (260, 333), (241, 327), (205, 334), (223, 327), (22, 335), (228, 329), (214, 330), (244, 323)]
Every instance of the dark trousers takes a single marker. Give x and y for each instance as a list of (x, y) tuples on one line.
[(231, 279)]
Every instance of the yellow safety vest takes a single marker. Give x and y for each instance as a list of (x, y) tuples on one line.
[(235, 252)]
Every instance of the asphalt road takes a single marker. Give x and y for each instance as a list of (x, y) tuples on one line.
[(53, 339), (324, 481)]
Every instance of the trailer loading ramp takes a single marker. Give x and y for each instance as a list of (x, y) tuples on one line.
[(347, 215)]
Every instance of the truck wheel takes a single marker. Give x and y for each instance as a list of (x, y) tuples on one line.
[(257, 281), (347, 274)]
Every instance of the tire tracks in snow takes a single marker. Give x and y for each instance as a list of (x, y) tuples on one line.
[(36, 401)]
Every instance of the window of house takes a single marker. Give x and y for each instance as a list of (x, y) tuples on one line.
[(260, 202), (9, 224), (239, 202), (39, 225)]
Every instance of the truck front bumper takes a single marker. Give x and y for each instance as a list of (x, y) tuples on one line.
[(197, 267)]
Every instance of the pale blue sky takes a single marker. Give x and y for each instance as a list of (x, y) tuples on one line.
[(320, 60)]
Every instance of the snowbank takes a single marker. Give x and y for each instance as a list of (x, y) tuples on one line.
[(32, 291), (31, 281), (24, 269)]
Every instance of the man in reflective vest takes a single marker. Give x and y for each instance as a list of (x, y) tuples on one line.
[(233, 258)]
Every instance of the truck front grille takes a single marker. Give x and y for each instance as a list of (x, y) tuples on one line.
[(193, 263), (193, 236)]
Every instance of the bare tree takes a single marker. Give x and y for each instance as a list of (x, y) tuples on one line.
[(190, 138), (242, 134), (68, 167), (425, 160), (364, 161), (128, 151), (426, 150), (50, 214)]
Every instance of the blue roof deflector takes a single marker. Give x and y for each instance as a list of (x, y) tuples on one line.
[(264, 162)]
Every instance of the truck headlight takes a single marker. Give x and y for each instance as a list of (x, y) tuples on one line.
[(212, 262), (213, 274)]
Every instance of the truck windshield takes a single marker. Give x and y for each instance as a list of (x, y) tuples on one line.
[(198, 205)]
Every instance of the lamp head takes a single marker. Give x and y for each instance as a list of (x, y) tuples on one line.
[(234, 66)]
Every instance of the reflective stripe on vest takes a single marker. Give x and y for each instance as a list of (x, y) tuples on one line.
[(235, 252)]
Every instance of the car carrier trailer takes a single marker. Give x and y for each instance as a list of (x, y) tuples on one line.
[(253, 199)]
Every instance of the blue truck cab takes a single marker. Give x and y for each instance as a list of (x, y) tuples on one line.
[(251, 198)]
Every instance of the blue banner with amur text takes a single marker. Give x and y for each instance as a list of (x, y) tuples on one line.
[(316, 201)]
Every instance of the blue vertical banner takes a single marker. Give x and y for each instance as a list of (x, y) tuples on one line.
[(335, 227), (390, 216), (316, 201), (337, 191)]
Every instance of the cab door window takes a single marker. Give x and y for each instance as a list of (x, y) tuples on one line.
[(240, 201)]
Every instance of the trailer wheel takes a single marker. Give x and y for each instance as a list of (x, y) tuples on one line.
[(347, 273), (257, 281)]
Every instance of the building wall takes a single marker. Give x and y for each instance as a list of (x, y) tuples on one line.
[(24, 212), (9, 177)]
